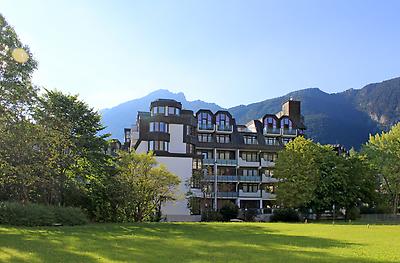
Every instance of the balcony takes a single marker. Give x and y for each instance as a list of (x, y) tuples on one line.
[(268, 179), (289, 132), (250, 179), (202, 127), (221, 178), (268, 196), (224, 128), (272, 131), (225, 194), (265, 163), (196, 192), (250, 194), (208, 161), (248, 163), (227, 162)]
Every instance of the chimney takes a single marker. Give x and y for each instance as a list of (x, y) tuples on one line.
[(291, 108)]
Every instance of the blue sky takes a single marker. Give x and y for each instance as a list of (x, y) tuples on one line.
[(228, 52)]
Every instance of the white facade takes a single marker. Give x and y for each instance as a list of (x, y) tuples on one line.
[(182, 167)]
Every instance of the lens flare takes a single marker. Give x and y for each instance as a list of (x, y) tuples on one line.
[(20, 55)]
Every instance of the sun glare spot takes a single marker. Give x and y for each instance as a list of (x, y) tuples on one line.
[(20, 55)]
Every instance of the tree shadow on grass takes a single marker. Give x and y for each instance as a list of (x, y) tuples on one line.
[(158, 242)]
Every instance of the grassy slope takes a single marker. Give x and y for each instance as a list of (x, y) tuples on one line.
[(202, 242)]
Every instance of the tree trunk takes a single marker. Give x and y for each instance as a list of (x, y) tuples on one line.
[(395, 202)]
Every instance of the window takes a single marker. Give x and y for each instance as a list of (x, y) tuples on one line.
[(202, 137), (197, 164), (158, 127), (286, 123), (189, 130), (269, 172), (250, 172), (250, 188), (157, 110), (271, 141), (226, 170), (269, 122), (226, 155), (271, 157), (158, 146), (127, 135), (250, 139), (189, 148), (173, 111), (269, 189), (204, 121), (207, 154), (223, 138), (250, 156), (285, 141), (223, 121)]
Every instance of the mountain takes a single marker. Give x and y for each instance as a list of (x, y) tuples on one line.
[(124, 115), (347, 117), (330, 118)]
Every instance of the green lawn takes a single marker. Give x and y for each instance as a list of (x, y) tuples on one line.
[(202, 242)]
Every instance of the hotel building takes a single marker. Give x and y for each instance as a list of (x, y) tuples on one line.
[(236, 161)]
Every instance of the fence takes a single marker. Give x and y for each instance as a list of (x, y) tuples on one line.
[(381, 217)]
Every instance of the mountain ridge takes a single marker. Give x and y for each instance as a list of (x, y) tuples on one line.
[(346, 117)]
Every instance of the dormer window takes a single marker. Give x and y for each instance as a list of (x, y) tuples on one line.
[(270, 122), (204, 120), (286, 123), (223, 121)]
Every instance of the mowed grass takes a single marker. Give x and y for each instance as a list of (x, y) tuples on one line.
[(202, 242)]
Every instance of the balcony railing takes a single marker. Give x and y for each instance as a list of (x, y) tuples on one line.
[(227, 162), (206, 127), (224, 128), (250, 194), (272, 131), (225, 194), (266, 163), (255, 179), (248, 163), (267, 195), (221, 178), (292, 132), (208, 161), (268, 179)]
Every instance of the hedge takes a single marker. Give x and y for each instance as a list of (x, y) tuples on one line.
[(18, 214)]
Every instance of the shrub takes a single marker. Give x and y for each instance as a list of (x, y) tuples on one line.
[(70, 216), (18, 214), (229, 211), (211, 216), (249, 215), (353, 213), (285, 215)]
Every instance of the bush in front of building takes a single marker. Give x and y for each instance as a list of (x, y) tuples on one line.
[(353, 213), (229, 211), (211, 216), (249, 215), (18, 214), (285, 215)]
